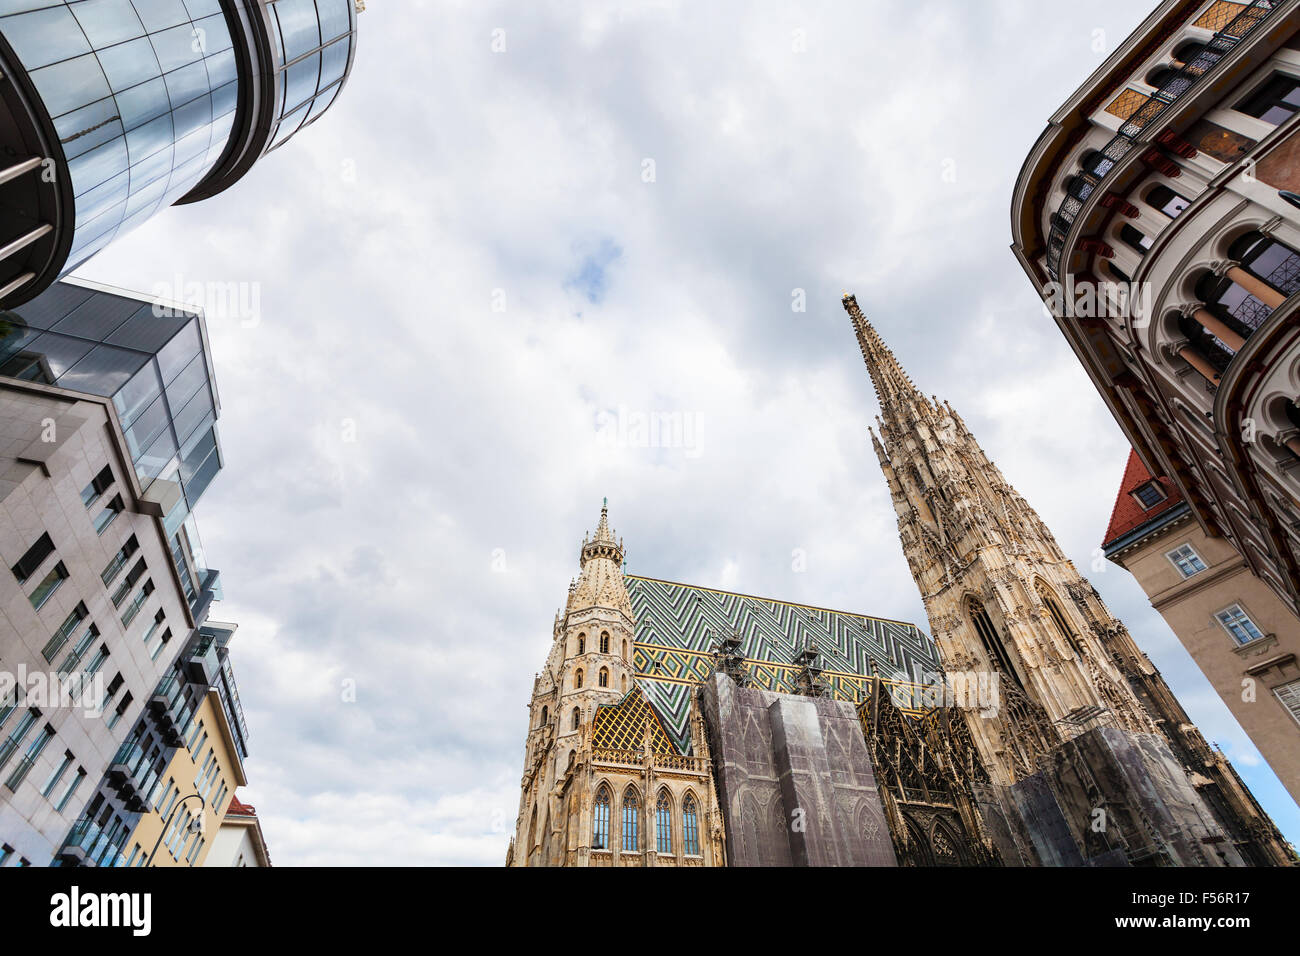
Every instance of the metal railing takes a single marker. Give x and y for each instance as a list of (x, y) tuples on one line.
[(1090, 179)]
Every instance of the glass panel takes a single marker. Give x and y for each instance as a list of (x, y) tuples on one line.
[(43, 37), (130, 64), (107, 22), (68, 85)]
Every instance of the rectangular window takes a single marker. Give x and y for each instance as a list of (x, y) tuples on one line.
[(121, 710), (123, 589), (1289, 697), (194, 735), (49, 584), (65, 631), (15, 738), (98, 485), (6, 851), (29, 759), (195, 850), (1237, 623), (101, 656), (1186, 560), (34, 558), (1149, 495), (163, 638), (73, 786), (137, 602), (110, 512), (1275, 102), (118, 561), (79, 651), (59, 771)]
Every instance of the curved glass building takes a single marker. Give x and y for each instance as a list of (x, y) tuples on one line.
[(112, 109)]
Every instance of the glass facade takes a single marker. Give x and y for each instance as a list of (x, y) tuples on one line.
[(142, 94), (154, 367), (313, 42)]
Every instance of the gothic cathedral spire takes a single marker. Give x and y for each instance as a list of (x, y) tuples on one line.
[(1002, 597)]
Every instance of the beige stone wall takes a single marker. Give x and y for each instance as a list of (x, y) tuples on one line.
[(1244, 676)]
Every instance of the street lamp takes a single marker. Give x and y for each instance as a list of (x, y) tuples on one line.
[(171, 816)]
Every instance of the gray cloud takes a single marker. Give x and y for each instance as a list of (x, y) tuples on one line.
[(409, 468)]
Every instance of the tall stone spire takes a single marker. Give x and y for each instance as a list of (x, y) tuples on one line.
[(894, 388), (1002, 598)]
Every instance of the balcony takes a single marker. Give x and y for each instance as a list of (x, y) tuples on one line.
[(89, 845), (203, 665), (1089, 181)]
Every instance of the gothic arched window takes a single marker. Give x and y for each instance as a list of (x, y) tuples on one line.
[(664, 823), (545, 715), (604, 677), (989, 637), (577, 718), (625, 649), (631, 814), (1058, 618), (582, 643), (604, 642), (577, 678), (690, 827), (600, 820)]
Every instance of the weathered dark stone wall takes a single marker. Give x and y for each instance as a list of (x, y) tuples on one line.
[(1152, 813), (794, 780)]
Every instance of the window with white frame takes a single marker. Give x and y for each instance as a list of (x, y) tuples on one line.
[(1289, 697), (1186, 560), (1237, 622)]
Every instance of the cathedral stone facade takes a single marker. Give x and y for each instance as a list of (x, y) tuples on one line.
[(674, 725)]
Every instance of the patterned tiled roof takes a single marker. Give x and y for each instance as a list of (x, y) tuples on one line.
[(678, 626), (1128, 513)]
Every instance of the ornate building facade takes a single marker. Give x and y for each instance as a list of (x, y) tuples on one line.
[(684, 726), (1076, 692), (1157, 217)]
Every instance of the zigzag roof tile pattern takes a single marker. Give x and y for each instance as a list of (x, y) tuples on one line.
[(678, 626)]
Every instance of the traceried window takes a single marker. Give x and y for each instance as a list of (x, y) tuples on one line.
[(582, 643), (604, 677), (1058, 618), (1186, 560), (989, 637), (664, 823), (690, 827), (631, 814), (577, 678), (600, 820), (577, 718), (604, 642)]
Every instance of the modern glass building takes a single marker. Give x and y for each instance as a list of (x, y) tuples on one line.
[(112, 109), (155, 365)]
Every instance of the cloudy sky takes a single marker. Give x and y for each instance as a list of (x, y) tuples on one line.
[(525, 222)]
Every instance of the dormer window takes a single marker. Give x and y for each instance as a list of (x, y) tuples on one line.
[(1149, 495)]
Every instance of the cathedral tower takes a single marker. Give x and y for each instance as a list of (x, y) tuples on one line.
[(603, 784), (1002, 597)]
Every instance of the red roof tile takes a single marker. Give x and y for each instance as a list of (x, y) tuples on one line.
[(240, 809), (1128, 512)]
